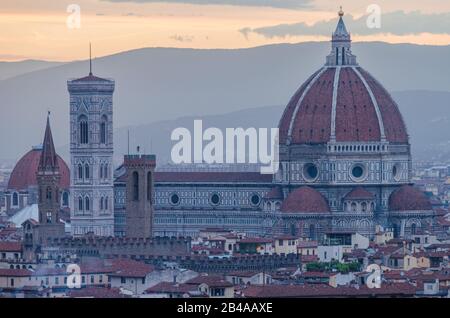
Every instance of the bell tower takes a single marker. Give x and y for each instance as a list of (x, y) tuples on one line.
[(91, 153), (139, 195), (48, 176)]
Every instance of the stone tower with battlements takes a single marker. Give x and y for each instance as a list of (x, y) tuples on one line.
[(139, 195)]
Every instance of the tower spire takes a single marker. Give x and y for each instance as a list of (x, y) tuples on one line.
[(48, 160), (341, 53), (90, 59)]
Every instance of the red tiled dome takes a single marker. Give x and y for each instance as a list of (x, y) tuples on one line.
[(24, 173), (364, 110), (305, 199), (359, 194), (408, 198)]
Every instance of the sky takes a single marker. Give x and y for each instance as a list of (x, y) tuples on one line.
[(60, 30)]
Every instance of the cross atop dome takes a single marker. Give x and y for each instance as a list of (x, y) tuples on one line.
[(341, 45)]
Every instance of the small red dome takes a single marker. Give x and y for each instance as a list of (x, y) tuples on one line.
[(24, 173), (359, 194), (346, 104), (408, 198), (305, 199)]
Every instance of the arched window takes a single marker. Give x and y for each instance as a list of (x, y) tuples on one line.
[(49, 194), (103, 129), (293, 229), (312, 232), (100, 172), (135, 186), (15, 199), (364, 206), (87, 204), (105, 171), (86, 171), (80, 204), (83, 130), (101, 203), (413, 229), (106, 203), (80, 171), (65, 199), (149, 186)]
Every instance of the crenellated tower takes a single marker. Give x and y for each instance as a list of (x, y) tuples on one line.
[(139, 195)]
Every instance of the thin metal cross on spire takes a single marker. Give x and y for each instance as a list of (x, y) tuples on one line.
[(90, 59)]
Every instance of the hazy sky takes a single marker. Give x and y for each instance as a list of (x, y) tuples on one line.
[(38, 29)]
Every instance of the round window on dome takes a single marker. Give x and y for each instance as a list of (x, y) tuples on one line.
[(358, 172), (396, 172), (174, 199), (310, 172), (255, 199), (215, 199)]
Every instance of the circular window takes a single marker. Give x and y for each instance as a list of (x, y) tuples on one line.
[(174, 199), (310, 172), (215, 199), (396, 172), (358, 172), (255, 199)]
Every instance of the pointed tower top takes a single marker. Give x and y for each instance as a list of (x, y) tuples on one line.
[(49, 159), (341, 30), (341, 45)]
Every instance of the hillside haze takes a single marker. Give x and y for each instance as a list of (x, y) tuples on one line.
[(163, 84)]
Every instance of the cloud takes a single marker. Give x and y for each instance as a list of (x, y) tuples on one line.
[(396, 23), (182, 38), (285, 4)]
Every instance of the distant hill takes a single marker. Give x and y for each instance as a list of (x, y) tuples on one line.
[(13, 69), (425, 114), (162, 84)]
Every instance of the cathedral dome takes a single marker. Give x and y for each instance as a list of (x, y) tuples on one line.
[(23, 175), (305, 199), (341, 102), (408, 198)]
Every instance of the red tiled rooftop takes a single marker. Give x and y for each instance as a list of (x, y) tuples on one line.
[(323, 290), (6, 272), (96, 292), (210, 280), (255, 240), (166, 287), (130, 268), (10, 247)]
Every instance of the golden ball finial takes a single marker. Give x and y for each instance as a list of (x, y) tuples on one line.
[(341, 13)]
